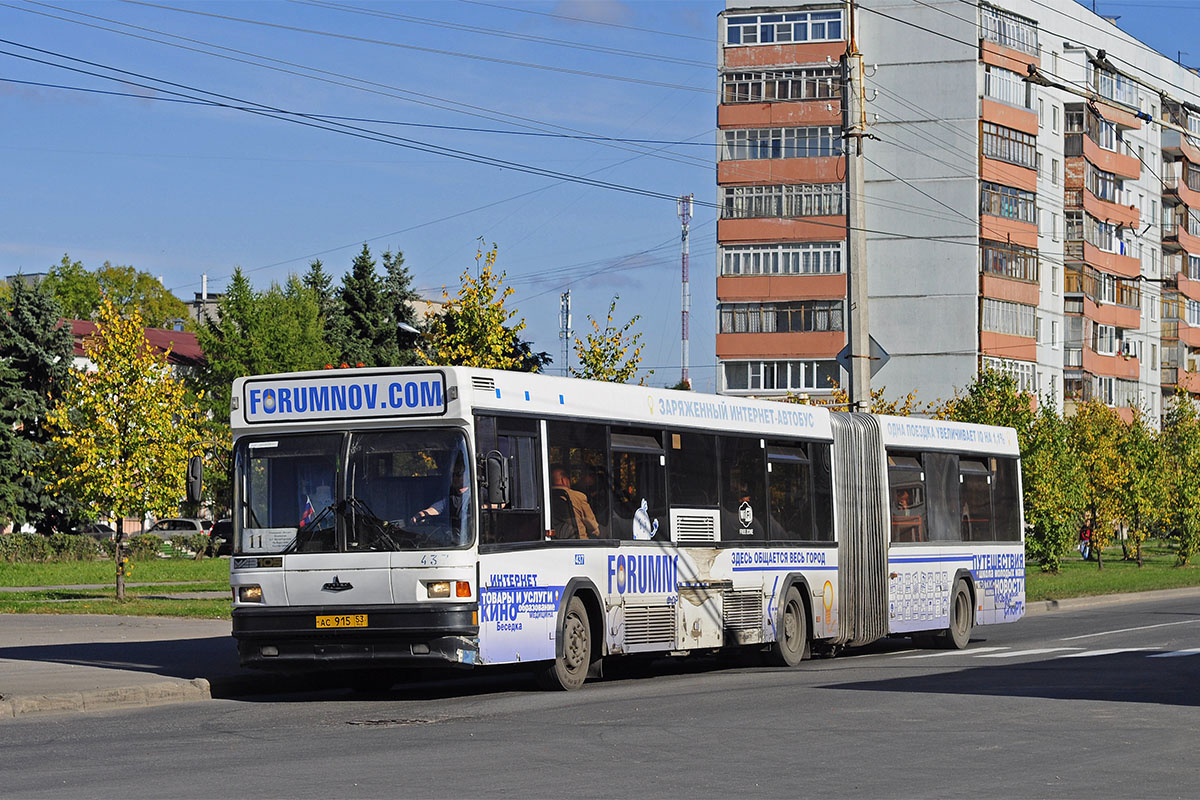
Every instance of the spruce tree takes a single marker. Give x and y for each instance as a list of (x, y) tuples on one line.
[(320, 283), (365, 329), (398, 297), (35, 364)]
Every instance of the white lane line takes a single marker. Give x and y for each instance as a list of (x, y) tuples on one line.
[(1191, 651), (1127, 630), (1035, 652), (973, 652), (1109, 652)]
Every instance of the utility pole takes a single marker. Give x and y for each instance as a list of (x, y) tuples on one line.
[(684, 207), (565, 333), (855, 128)]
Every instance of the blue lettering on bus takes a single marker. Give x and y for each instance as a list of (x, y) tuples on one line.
[(371, 391), (318, 397), (411, 395), (431, 394), (300, 399), (355, 396), (337, 398), (396, 395), (255, 395), (642, 574), (285, 400)]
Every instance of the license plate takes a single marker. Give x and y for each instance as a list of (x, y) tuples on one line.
[(343, 621)]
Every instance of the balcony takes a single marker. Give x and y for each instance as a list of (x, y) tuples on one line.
[(815, 344)]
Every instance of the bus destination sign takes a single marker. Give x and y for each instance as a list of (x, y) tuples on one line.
[(343, 397)]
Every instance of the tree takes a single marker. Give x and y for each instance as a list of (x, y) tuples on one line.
[(319, 282), (365, 330), (1052, 479), (1142, 494), (128, 289), (1096, 434), (1181, 436), (991, 399), (612, 353), (35, 365), (120, 436), (471, 330), (398, 298)]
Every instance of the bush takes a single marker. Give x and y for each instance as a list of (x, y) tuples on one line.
[(144, 546), (73, 547), (25, 547)]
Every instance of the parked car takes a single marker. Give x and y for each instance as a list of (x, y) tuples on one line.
[(220, 538), (178, 526), (97, 530)]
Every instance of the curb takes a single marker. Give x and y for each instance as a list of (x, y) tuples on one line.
[(148, 694), (1101, 600)]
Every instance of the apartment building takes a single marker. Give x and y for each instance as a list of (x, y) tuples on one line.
[(1032, 201)]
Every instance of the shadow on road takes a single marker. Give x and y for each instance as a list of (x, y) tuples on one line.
[(1119, 677), (174, 658)]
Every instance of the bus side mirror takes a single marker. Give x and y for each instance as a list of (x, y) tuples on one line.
[(195, 477), (496, 476)]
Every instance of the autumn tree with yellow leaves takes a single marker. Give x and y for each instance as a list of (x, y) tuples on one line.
[(473, 330), (610, 353), (121, 435)]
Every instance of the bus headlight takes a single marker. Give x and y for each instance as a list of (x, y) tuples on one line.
[(250, 594), (438, 588)]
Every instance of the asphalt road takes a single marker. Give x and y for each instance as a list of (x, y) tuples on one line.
[(1095, 703)]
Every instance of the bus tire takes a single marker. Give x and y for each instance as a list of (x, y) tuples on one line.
[(791, 639), (569, 668), (958, 634)]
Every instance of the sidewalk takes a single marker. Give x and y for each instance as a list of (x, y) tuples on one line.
[(78, 663)]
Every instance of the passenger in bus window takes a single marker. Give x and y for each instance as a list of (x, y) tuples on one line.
[(456, 503), (570, 512)]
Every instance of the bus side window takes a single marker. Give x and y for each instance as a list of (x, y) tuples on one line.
[(639, 497), (1007, 499), (976, 496), (941, 497), (515, 438), (692, 469), (906, 490), (744, 510), (789, 480), (579, 449), (822, 468)]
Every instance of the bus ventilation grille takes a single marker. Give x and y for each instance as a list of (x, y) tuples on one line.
[(694, 529), (483, 383), (743, 611), (649, 625)]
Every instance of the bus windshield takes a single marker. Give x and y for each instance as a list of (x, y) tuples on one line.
[(355, 492)]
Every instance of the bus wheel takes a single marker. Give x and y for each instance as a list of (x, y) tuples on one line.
[(959, 633), (570, 667), (791, 640)]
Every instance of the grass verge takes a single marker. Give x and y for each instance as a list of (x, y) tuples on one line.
[(1079, 578), (133, 606), (71, 573)]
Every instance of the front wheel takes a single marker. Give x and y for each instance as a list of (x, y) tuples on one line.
[(791, 639), (569, 668), (958, 634)]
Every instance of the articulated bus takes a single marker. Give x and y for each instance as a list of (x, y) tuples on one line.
[(392, 518)]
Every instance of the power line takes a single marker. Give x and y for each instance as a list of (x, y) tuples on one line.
[(418, 48)]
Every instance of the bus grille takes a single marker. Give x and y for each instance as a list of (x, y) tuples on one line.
[(694, 528), (743, 610), (649, 625), (483, 383)]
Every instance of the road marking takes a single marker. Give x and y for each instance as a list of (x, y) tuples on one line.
[(1191, 651), (973, 652), (1109, 652), (1035, 652), (1127, 630)]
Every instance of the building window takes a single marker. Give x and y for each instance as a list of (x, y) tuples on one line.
[(1041, 113), (1009, 260), (1054, 174), (1001, 316), (800, 258), (796, 317), (798, 200), (1054, 119), (759, 143), (1192, 312), (1104, 339), (1114, 86), (1054, 334), (1104, 185), (1023, 372), (1008, 144), (1007, 202), (1006, 86), (808, 26), (813, 83), (780, 376), (1008, 29), (1054, 279)]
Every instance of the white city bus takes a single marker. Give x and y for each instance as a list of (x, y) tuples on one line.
[(421, 516)]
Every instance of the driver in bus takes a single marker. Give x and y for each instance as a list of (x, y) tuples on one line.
[(455, 503)]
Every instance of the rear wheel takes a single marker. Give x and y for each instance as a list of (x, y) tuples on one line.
[(791, 639), (569, 669), (958, 634)]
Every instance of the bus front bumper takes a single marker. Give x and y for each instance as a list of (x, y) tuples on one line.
[(288, 639)]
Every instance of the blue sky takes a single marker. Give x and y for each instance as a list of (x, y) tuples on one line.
[(180, 190)]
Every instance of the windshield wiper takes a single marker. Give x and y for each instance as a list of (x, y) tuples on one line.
[(381, 526)]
